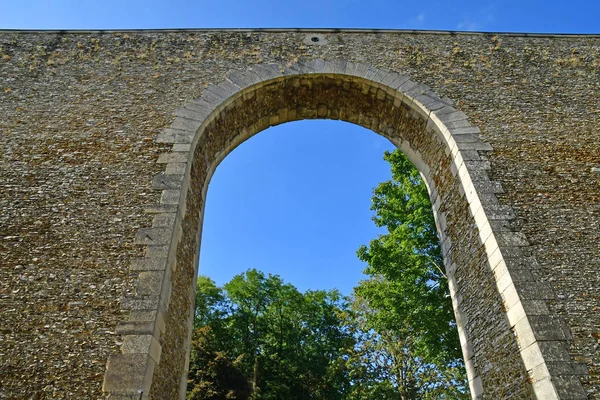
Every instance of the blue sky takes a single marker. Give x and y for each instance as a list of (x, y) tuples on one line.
[(575, 16), (294, 200)]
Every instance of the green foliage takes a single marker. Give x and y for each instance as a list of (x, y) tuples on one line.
[(220, 377), (283, 342), (384, 365), (406, 299)]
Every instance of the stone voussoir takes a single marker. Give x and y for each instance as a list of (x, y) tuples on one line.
[(136, 328), (163, 181), (164, 220), (148, 264), (169, 135), (161, 208), (170, 196), (125, 374), (243, 79), (150, 283), (185, 124), (267, 71), (153, 236), (175, 168)]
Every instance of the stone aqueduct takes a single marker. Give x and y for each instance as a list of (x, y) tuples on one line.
[(109, 139)]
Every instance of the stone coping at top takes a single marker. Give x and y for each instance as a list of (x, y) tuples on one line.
[(307, 30)]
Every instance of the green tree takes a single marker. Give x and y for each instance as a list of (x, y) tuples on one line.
[(214, 375), (383, 364), (283, 342), (211, 303), (406, 298)]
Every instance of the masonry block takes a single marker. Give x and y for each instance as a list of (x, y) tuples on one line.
[(126, 374)]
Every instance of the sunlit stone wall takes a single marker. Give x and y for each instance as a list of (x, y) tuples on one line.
[(81, 113)]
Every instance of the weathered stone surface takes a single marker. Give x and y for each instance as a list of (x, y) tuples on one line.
[(77, 172), (126, 373), (150, 283), (142, 344), (153, 236), (163, 181), (136, 328), (174, 157), (174, 136), (149, 264)]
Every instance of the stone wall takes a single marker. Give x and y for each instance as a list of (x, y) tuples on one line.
[(81, 112)]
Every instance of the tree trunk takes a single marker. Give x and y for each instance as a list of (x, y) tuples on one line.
[(255, 375)]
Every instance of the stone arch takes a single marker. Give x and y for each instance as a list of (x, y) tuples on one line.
[(509, 341)]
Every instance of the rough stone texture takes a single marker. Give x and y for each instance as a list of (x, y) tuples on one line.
[(78, 168)]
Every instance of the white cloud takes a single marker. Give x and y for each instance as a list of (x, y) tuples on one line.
[(479, 20), (416, 22), (468, 25)]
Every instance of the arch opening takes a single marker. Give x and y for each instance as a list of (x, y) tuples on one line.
[(334, 207)]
